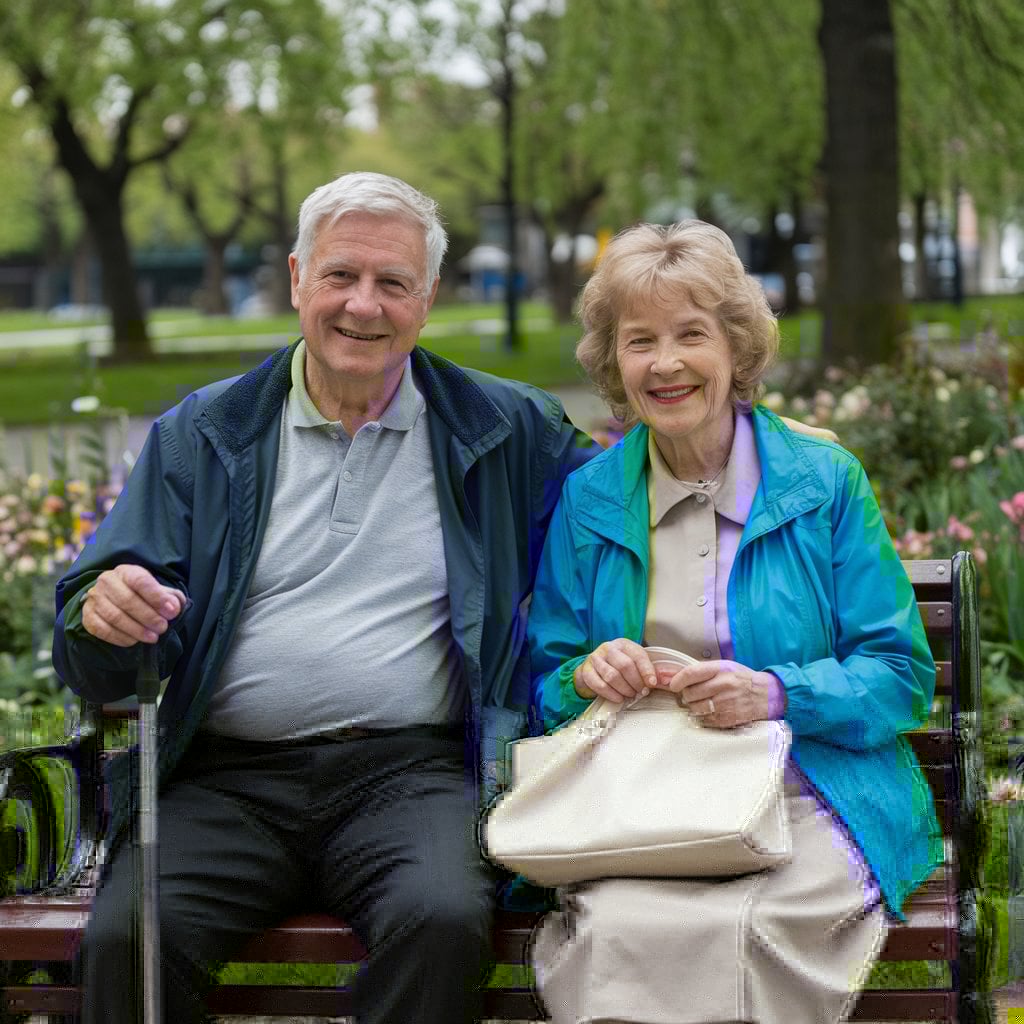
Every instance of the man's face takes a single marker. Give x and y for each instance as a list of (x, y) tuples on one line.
[(362, 297)]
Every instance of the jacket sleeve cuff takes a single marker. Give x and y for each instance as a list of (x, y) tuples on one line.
[(559, 699), (776, 698)]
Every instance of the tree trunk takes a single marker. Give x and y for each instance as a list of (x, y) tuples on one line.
[(80, 291), (865, 310), (958, 260), (507, 97), (780, 259), (214, 297), (99, 192), (102, 207), (922, 286), (562, 278)]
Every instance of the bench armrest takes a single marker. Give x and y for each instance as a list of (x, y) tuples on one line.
[(50, 800)]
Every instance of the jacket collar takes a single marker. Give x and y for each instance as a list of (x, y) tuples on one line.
[(790, 483), (243, 411), (614, 499)]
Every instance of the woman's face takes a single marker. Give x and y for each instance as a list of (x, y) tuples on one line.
[(676, 366)]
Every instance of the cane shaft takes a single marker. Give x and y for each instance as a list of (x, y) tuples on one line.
[(149, 872)]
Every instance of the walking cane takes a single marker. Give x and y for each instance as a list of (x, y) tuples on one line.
[(147, 920)]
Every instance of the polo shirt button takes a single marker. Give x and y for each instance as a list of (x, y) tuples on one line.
[(703, 550), (347, 475), (706, 652), (701, 601), (335, 435), (375, 426)]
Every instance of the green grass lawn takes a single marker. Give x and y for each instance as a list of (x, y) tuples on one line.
[(38, 388)]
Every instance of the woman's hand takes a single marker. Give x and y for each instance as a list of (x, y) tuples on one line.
[(617, 670), (722, 694)]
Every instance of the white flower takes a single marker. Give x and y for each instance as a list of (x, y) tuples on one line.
[(25, 565), (34, 482), (42, 673), (953, 384), (942, 394), (991, 391), (937, 375), (774, 400), (85, 403), (977, 455), (799, 405), (1003, 790)]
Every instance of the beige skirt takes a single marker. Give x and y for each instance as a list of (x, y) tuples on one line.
[(792, 945)]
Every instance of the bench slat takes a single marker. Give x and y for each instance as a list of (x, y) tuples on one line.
[(902, 1004), (937, 617), (506, 1004), (929, 571)]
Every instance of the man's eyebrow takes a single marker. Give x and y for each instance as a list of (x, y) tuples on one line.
[(337, 263)]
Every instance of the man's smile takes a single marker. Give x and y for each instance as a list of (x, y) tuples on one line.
[(349, 333)]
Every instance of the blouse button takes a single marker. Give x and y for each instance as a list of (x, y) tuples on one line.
[(701, 601), (701, 498), (703, 550), (706, 652)]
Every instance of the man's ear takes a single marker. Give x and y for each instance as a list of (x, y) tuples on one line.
[(804, 428), (293, 267)]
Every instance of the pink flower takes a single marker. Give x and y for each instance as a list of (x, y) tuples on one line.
[(958, 530), (914, 544), (958, 462), (1018, 442), (1014, 508), (980, 555), (52, 504)]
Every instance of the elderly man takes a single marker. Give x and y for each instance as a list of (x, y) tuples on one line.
[(332, 554)]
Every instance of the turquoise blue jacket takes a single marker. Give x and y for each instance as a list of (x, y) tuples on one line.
[(817, 595)]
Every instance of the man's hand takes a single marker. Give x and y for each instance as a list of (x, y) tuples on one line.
[(617, 670), (127, 605), (722, 694)]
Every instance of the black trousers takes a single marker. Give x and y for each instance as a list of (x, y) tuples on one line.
[(379, 830)]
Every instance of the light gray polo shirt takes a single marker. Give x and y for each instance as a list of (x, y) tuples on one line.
[(347, 619)]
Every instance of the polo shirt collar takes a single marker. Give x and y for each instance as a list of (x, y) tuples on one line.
[(735, 493), (400, 414)]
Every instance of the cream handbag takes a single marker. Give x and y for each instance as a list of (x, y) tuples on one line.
[(642, 790)]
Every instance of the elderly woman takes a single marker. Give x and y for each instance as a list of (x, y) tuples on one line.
[(715, 529)]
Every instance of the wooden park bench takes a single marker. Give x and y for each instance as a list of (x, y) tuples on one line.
[(42, 929)]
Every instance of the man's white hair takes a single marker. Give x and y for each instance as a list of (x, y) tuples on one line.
[(369, 192)]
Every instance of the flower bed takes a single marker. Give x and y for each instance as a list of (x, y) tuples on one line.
[(43, 526)]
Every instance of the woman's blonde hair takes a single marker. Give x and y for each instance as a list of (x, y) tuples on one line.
[(690, 260)]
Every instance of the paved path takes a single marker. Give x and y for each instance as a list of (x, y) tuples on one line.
[(167, 336)]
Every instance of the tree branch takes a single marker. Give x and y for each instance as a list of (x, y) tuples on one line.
[(162, 152)]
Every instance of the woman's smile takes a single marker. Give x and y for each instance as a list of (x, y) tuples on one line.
[(669, 396)]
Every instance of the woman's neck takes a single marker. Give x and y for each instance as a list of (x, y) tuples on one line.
[(700, 455)]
